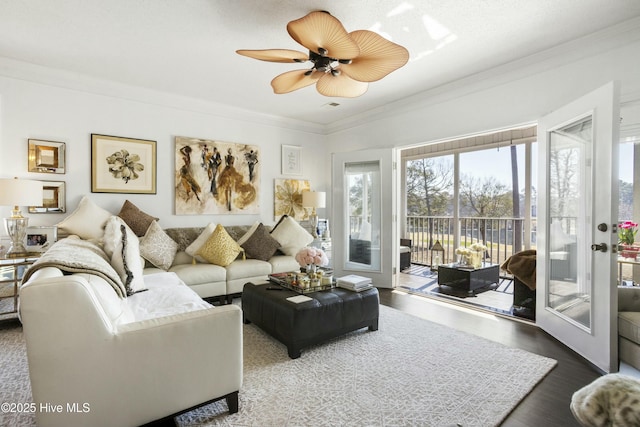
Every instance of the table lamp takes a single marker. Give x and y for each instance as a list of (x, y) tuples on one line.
[(314, 199), (18, 192)]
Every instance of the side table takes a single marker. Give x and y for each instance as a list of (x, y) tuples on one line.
[(468, 279), (11, 273)]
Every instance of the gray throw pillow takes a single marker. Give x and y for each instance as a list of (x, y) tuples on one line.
[(260, 245)]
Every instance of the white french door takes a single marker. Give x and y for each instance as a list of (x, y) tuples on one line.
[(364, 234), (577, 219)]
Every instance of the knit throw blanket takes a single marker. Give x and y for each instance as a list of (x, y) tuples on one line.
[(74, 255), (523, 266)]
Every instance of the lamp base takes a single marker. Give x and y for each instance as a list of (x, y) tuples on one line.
[(313, 218), (17, 230)]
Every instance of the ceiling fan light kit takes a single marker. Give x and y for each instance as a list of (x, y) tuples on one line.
[(343, 63)]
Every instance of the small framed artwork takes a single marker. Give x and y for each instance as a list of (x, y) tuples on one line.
[(39, 239), (122, 165), (46, 156), (53, 198), (291, 160)]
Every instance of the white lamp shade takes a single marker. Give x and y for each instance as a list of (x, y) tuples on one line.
[(20, 192), (314, 199)]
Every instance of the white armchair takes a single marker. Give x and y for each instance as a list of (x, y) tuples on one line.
[(89, 354)]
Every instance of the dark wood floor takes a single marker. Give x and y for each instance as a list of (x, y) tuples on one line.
[(548, 404)]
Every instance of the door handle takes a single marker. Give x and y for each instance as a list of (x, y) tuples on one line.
[(602, 247)]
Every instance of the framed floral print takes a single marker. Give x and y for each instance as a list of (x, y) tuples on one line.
[(122, 165)]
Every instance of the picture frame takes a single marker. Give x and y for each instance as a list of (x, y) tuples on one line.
[(46, 156), (323, 228), (291, 160), (39, 239), (53, 198), (122, 165)]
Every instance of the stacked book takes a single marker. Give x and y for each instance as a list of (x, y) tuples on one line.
[(354, 283)]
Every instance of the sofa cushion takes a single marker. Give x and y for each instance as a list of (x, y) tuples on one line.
[(260, 245), (87, 221), (198, 274), (242, 268), (123, 248), (629, 325), (220, 248), (291, 235), (283, 264), (117, 309), (157, 247), (136, 219), (166, 295), (193, 248)]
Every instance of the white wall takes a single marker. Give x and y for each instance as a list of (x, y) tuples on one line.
[(511, 95), (50, 111)]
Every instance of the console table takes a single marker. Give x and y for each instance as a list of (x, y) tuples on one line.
[(468, 278)]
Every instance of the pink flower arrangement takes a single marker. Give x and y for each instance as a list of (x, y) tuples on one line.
[(311, 256), (627, 232)]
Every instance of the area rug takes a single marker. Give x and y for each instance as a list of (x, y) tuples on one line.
[(409, 372)]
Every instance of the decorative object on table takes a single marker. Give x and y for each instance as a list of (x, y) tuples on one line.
[(627, 231), (122, 165), (39, 239), (288, 198), (53, 198), (291, 160), (357, 57), (471, 256), (311, 258), (216, 177), (46, 156), (313, 200), (323, 228), (18, 192), (355, 283), (437, 255)]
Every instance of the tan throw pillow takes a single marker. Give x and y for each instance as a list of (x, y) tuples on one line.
[(220, 248), (123, 248), (200, 240), (291, 235), (137, 220), (260, 245), (157, 247), (86, 222)]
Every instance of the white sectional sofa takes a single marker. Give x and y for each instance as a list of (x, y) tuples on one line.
[(99, 359)]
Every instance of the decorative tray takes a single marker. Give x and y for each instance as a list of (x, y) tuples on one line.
[(291, 281)]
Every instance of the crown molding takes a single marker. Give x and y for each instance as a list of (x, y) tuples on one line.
[(19, 70)]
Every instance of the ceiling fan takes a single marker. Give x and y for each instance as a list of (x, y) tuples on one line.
[(343, 63)]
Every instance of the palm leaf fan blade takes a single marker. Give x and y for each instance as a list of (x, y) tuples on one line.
[(294, 80), (340, 85), (275, 55), (378, 57), (320, 30)]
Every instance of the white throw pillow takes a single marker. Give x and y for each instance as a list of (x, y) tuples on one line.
[(87, 221), (126, 262), (157, 247), (192, 249), (249, 233), (291, 236)]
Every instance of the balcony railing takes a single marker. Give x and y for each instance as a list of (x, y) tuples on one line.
[(502, 236)]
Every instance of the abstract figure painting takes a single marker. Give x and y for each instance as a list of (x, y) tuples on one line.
[(214, 177), (288, 198), (122, 165)]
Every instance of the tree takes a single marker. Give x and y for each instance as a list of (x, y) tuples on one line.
[(429, 183), (484, 198)]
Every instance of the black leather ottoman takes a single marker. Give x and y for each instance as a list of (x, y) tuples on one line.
[(329, 314)]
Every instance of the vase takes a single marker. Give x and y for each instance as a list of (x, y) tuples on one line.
[(476, 260)]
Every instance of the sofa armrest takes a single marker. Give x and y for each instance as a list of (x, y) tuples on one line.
[(628, 298)]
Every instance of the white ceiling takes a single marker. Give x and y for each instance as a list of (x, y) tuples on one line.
[(187, 47)]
